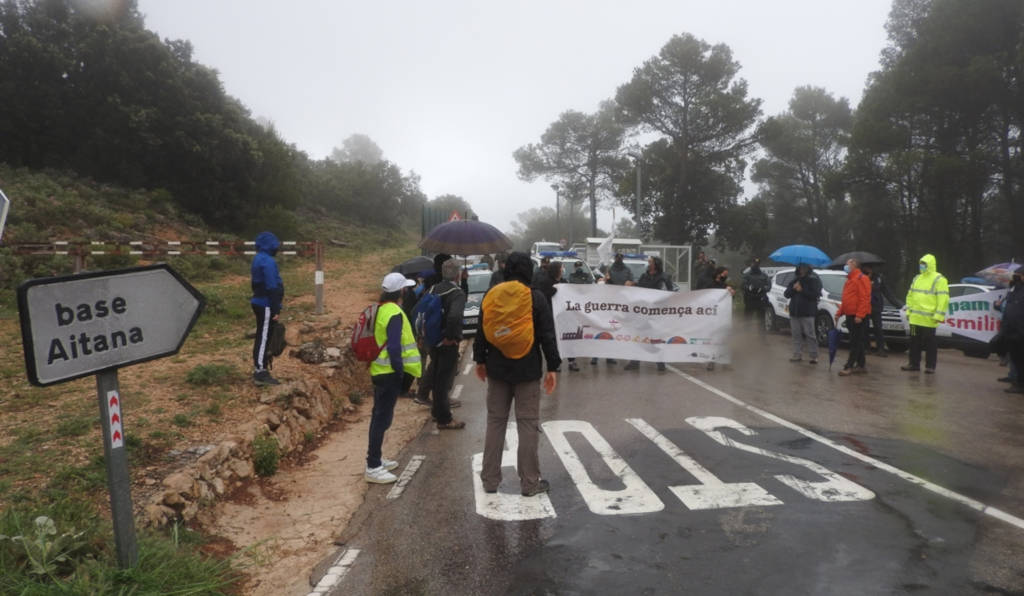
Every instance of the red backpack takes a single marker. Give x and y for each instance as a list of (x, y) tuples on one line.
[(364, 343)]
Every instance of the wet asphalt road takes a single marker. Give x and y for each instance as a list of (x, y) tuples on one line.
[(741, 480)]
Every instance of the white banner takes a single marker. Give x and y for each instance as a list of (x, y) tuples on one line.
[(634, 323), (973, 316)]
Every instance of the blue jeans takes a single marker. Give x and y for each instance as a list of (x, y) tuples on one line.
[(385, 395)]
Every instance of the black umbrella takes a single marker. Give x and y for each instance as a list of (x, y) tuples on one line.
[(414, 265), (864, 258), (466, 237)]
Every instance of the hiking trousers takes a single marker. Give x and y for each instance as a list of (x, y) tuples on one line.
[(500, 396)]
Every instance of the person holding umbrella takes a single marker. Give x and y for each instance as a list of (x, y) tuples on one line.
[(856, 305), (803, 293), (927, 301)]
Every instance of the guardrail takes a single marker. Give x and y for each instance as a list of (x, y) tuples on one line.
[(151, 249)]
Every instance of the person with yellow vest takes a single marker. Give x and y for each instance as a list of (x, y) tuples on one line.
[(927, 301), (399, 356)]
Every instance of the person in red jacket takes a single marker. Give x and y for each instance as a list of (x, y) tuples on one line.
[(856, 305)]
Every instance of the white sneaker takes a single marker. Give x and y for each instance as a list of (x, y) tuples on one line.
[(388, 464), (379, 475)]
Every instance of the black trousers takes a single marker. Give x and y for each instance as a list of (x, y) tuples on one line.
[(443, 360), (1017, 357), (876, 329), (858, 341), (923, 338), (260, 357)]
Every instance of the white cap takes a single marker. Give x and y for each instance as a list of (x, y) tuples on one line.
[(396, 281)]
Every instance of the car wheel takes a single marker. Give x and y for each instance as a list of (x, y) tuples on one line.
[(771, 322), (823, 323)]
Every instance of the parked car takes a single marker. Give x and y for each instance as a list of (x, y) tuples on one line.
[(899, 339), (776, 314), (479, 280)]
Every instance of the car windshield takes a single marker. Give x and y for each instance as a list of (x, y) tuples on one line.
[(833, 284), (478, 282)]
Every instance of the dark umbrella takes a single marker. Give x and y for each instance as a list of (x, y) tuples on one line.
[(465, 237), (864, 258), (414, 265), (833, 345), (795, 254)]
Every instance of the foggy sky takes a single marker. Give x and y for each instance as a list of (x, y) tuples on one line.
[(450, 88)]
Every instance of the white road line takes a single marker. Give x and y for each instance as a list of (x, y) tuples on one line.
[(333, 577), (945, 492), (711, 493), (468, 369), (406, 477), (634, 496), (456, 392)]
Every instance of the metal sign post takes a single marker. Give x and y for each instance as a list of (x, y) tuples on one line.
[(92, 324), (118, 479)]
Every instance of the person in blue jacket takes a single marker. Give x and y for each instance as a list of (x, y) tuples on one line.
[(267, 294)]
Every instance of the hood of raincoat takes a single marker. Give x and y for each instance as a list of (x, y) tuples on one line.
[(929, 263), (267, 242)]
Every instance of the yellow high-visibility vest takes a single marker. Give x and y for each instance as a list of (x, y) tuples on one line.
[(928, 297), (410, 353)]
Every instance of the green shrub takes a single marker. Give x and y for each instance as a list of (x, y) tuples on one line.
[(181, 420), (205, 375), (266, 454), (355, 397)]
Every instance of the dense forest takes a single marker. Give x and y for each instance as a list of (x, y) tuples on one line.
[(932, 160), (103, 97)]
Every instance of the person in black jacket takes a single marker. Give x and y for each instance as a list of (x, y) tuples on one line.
[(803, 292), (879, 294), (444, 357), (654, 278), (755, 293), (517, 379), (1012, 329)]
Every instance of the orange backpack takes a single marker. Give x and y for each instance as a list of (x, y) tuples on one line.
[(507, 312)]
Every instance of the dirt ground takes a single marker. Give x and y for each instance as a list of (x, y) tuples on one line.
[(289, 521)]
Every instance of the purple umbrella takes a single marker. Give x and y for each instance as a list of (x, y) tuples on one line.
[(465, 237)]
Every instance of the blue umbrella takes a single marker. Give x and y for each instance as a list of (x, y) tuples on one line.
[(833, 345), (465, 237), (795, 254)]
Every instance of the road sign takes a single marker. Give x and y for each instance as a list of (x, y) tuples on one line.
[(454, 216), (5, 206), (79, 325)]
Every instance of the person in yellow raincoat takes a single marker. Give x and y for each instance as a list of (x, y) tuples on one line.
[(927, 301)]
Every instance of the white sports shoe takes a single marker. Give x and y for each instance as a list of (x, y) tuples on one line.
[(379, 475), (388, 464)]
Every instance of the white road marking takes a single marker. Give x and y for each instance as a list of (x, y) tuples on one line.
[(456, 392), (333, 577), (634, 497), (834, 489), (468, 369), (406, 477), (917, 480), (505, 506), (711, 493)]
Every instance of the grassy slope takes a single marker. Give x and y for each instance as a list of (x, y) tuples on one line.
[(50, 449)]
